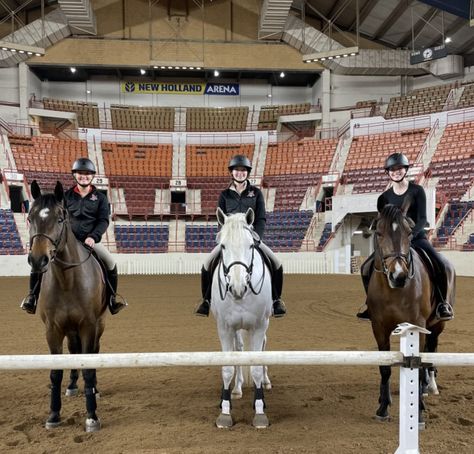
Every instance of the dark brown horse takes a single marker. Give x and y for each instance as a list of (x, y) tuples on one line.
[(72, 297), (400, 290)]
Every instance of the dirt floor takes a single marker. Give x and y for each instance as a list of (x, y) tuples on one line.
[(172, 410)]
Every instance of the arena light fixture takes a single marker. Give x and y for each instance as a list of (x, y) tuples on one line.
[(184, 65), (72, 69), (22, 49), (331, 54)]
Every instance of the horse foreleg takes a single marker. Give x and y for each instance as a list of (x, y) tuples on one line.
[(260, 420), (385, 399), (239, 373), (92, 421), (224, 420), (54, 418), (267, 384), (74, 347)]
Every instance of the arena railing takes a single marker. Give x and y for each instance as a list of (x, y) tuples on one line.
[(396, 125), (137, 137), (460, 116), (426, 144), (408, 358)]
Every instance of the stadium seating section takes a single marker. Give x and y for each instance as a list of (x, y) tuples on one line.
[(200, 238), (142, 118), (419, 102), (141, 238), (456, 213), (87, 112), (285, 230), (10, 242), (467, 97), (268, 116), (365, 161), (46, 159), (216, 119)]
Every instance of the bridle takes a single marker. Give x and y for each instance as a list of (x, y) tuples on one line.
[(63, 221), (223, 289), (406, 258)]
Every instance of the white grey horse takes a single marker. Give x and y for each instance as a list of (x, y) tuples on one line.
[(241, 302)]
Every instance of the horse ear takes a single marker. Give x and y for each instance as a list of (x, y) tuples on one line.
[(35, 190), (250, 216), (59, 191), (221, 217)]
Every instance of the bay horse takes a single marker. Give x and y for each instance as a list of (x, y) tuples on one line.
[(72, 301), (241, 303), (400, 290)]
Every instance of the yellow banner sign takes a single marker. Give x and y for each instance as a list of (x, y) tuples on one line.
[(163, 88)]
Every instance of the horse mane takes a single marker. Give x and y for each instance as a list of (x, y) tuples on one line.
[(232, 229), (392, 213)]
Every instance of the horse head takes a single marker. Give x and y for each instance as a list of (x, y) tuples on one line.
[(393, 236), (47, 220), (237, 249)]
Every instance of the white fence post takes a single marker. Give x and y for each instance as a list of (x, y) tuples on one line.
[(409, 387)]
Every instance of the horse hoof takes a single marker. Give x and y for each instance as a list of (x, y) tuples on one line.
[(236, 394), (72, 392), (382, 418), (224, 421), (54, 420), (421, 425), (260, 421), (92, 425), (267, 386)]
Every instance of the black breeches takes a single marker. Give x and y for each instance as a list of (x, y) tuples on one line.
[(440, 278)]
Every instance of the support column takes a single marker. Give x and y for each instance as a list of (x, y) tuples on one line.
[(326, 99), (23, 91)]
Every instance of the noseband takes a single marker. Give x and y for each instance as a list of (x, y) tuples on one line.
[(248, 268), (63, 221)]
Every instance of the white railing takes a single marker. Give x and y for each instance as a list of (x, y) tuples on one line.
[(407, 358)]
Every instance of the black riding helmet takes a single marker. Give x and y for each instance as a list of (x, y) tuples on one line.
[(83, 165), (240, 161), (396, 160)]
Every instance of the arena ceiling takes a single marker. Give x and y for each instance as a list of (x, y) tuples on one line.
[(394, 23), (391, 23)]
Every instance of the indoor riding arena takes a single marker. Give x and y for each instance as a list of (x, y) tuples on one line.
[(160, 98)]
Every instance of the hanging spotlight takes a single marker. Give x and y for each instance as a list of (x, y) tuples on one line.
[(142, 72), (447, 40), (72, 69), (216, 73), (282, 74)]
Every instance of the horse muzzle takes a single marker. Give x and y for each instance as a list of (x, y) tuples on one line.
[(397, 281), (38, 264), (238, 292)]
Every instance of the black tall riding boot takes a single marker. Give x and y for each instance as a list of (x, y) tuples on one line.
[(279, 309), (111, 293), (31, 300), (444, 310), (364, 315), (203, 309), (29, 303)]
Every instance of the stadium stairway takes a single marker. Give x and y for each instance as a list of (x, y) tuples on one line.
[(177, 236)]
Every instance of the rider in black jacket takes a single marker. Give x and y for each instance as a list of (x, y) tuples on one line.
[(396, 166), (88, 211), (238, 198)]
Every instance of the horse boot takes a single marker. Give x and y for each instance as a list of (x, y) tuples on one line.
[(203, 309), (111, 293), (279, 309), (363, 315), (29, 303)]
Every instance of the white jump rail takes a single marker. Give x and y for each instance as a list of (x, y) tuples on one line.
[(408, 358)]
